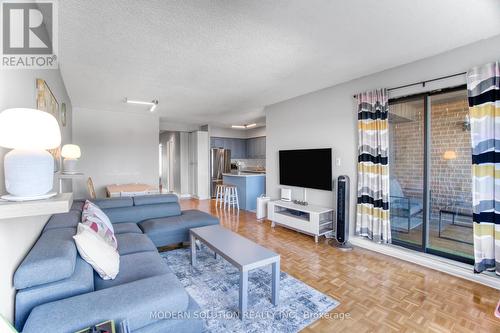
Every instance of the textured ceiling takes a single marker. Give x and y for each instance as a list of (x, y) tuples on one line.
[(221, 62)]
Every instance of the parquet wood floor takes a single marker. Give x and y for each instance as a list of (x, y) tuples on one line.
[(380, 293)]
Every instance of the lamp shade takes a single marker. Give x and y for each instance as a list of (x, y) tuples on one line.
[(71, 151), (29, 129)]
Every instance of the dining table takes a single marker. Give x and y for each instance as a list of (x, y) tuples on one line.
[(118, 190)]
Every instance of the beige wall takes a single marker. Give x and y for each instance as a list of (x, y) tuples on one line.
[(17, 89)]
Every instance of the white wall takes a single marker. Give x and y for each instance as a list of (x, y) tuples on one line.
[(327, 118), (256, 132), (166, 125), (184, 164), (17, 89), (117, 148), (174, 138), (222, 132)]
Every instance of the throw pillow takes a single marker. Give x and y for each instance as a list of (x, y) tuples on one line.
[(98, 253), (91, 209), (99, 227)]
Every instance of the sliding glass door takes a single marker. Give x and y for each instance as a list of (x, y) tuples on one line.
[(407, 142), (430, 165), (450, 164)]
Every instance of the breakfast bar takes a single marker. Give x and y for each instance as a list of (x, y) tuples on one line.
[(250, 187)]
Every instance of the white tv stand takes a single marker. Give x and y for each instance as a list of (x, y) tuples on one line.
[(311, 220)]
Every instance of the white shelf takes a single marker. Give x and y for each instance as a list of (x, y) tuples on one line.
[(312, 220), (303, 208), (321, 224), (61, 203), (62, 175)]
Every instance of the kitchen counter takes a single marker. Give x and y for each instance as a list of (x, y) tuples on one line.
[(244, 174), (250, 187)]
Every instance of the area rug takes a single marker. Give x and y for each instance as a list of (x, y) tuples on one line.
[(214, 284)]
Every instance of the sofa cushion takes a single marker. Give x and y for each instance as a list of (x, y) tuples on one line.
[(195, 218), (65, 220), (114, 202), (134, 301), (155, 199), (124, 228), (133, 242), (77, 205), (52, 258), (163, 231), (81, 282), (134, 267), (141, 213), (191, 323)]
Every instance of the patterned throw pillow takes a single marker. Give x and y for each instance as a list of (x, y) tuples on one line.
[(99, 227), (93, 249), (91, 209)]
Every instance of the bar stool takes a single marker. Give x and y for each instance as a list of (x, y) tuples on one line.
[(231, 197), (220, 193)]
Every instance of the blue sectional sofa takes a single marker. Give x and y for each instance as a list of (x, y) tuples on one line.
[(57, 291)]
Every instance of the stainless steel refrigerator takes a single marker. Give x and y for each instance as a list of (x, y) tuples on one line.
[(220, 162)]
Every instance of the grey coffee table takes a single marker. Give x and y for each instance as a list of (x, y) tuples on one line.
[(242, 253)]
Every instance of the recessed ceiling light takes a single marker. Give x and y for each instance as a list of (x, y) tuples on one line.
[(238, 126), (250, 125), (153, 103)]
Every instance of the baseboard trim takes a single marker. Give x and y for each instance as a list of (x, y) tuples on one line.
[(444, 265)]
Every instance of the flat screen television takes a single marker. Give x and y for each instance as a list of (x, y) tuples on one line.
[(310, 168)]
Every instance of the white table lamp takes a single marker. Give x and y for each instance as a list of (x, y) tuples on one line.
[(29, 168), (71, 154)]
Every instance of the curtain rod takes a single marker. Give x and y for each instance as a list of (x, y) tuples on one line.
[(423, 83)]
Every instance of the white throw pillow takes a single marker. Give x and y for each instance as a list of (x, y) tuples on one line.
[(91, 209), (97, 252)]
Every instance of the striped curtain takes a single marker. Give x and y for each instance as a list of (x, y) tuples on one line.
[(372, 218), (483, 86)]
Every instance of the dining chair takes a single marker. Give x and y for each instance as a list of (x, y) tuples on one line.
[(91, 188)]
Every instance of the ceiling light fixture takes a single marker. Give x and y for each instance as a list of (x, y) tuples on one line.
[(153, 103), (244, 126)]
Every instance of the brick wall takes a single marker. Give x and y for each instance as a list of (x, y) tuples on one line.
[(450, 179)]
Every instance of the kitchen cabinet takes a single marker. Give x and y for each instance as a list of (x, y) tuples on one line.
[(241, 148), (256, 147)]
